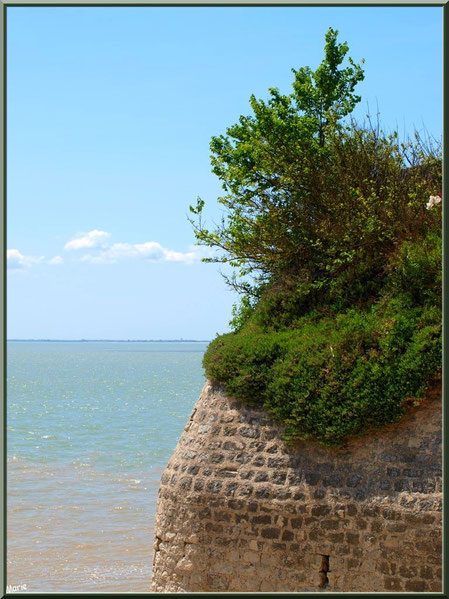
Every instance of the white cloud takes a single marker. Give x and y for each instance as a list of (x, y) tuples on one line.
[(92, 239), (151, 251), (104, 253), (56, 260), (107, 253), (17, 261), (194, 254)]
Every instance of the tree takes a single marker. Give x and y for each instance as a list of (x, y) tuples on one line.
[(270, 164), (327, 94), (315, 204), (334, 231)]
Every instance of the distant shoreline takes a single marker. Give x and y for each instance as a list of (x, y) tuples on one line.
[(112, 340)]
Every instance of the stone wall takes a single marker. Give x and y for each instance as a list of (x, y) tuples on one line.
[(238, 511)]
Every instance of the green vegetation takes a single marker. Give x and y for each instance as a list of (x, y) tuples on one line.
[(336, 250)]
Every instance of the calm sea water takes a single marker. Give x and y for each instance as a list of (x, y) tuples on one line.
[(91, 426)]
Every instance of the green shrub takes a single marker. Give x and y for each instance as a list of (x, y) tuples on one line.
[(336, 376), (337, 256), (416, 270)]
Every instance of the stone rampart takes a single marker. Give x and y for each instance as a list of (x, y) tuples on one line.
[(240, 511)]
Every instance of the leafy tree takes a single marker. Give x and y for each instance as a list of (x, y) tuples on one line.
[(271, 165), (334, 233), (327, 95), (314, 205)]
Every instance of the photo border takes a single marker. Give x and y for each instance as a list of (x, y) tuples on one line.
[(4, 5)]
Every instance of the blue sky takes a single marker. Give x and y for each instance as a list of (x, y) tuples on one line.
[(110, 114)]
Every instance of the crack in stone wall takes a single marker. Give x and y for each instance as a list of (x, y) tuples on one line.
[(239, 511)]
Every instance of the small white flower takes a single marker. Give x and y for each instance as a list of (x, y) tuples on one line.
[(433, 201)]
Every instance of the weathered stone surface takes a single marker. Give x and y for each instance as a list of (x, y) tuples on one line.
[(239, 511)]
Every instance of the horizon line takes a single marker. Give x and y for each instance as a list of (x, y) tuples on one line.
[(181, 340)]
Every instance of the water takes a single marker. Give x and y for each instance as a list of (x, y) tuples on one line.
[(91, 426)]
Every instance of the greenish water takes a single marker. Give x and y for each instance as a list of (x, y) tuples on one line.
[(90, 427)]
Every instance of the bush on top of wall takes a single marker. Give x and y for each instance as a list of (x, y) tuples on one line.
[(334, 233)]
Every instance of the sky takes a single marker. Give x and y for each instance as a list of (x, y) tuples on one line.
[(110, 111)]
